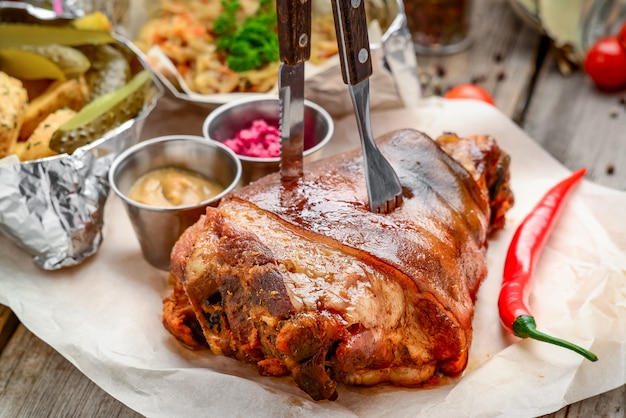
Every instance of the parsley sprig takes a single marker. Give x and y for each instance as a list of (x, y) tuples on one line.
[(251, 44)]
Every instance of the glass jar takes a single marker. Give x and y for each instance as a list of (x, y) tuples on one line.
[(439, 26)]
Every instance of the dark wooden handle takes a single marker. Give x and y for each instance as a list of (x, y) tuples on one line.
[(353, 40), (294, 30)]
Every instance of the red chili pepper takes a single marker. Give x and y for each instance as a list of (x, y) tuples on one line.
[(524, 251)]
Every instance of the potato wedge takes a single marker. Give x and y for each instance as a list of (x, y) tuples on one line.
[(38, 144), (70, 94), (13, 105)]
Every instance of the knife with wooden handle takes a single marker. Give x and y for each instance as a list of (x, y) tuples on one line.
[(294, 40)]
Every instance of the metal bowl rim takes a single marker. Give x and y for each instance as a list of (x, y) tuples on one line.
[(230, 105), (120, 158)]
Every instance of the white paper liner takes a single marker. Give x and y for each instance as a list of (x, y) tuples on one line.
[(105, 315)]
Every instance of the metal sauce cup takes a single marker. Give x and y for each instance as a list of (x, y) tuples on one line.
[(227, 120), (158, 228)]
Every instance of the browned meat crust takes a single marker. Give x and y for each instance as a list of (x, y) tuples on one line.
[(302, 279)]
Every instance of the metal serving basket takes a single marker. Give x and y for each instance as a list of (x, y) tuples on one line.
[(53, 207), (389, 33)]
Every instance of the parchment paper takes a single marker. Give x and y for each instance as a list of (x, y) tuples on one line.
[(105, 315)]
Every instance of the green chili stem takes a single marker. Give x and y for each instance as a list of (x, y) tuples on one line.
[(525, 327)]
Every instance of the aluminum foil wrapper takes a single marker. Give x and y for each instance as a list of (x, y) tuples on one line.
[(53, 207)]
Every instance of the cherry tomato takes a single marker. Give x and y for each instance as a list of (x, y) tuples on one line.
[(605, 62), (469, 91)]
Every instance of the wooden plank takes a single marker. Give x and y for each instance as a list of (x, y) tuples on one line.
[(37, 381), (611, 404), (501, 59), (8, 323), (608, 405), (579, 125), (575, 122)]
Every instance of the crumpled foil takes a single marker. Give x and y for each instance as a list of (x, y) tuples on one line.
[(53, 207)]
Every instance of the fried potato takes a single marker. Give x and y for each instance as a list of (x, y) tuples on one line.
[(13, 105), (38, 144), (70, 94), (35, 88)]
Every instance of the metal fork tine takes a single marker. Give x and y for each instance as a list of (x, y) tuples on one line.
[(384, 190), (389, 206)]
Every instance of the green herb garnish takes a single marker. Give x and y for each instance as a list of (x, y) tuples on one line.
[(251, 44)]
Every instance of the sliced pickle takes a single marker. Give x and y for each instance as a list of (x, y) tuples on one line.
[(16, 35), (109, 70), (70, 60), (28, 65), (103, 114)]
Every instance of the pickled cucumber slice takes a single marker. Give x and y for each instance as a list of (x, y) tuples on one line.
[(109, 70), (16, 35), (103, 114), (70, 60), (28, 65)]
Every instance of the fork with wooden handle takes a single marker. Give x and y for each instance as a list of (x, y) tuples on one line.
[(383, 186)]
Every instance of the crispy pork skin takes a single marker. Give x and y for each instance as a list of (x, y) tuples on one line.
[(302, 279)]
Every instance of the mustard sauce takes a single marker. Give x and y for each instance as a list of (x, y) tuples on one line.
[(172, 187)]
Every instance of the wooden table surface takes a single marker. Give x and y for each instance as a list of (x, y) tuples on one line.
[(576, 123)]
